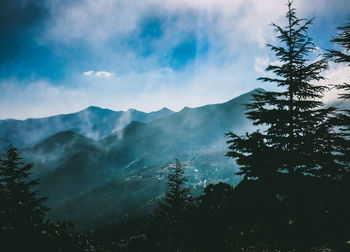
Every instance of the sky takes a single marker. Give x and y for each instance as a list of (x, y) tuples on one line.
[(61, 56)]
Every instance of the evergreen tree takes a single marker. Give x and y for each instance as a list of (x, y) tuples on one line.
[(298, 148), (298, 139), (176, 198), (169, 224), (21, 208)]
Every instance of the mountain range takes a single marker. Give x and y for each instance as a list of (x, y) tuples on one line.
[(98, 167), (93, 122)]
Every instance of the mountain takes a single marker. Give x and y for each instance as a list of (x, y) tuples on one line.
[(93, 122), (133, 193), (125, 173), (57, 150)]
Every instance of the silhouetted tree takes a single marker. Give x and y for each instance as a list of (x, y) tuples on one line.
[(21, 211), (298, 145), (169, 224), (297, 125), (252, 153)]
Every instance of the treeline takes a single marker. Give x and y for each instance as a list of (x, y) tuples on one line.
[(295, 192)]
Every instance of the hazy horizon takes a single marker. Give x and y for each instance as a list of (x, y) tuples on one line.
[(105, 108)]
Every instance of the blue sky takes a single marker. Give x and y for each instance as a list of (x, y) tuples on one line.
[(60, 56)]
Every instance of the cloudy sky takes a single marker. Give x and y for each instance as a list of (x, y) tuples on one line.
[(61, 56)]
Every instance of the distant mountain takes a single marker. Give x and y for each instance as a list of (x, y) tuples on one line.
[(93, 122), (129, 167), (57, 150)]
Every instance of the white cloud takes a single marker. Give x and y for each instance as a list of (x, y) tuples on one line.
[(99, 20), (88, 73), (103, 74), (231, 24), (98, 74), (234, 29), (231, 27)]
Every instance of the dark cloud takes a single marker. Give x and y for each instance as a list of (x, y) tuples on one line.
[(18, 15), (20, 22)]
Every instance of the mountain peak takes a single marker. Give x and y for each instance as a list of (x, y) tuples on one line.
[(165, 109), (61, 138), (94, 108), (244, 98)]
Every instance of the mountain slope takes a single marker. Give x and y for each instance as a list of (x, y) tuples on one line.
[(130, 166), (92, 122), (56, 150), (134, 193)]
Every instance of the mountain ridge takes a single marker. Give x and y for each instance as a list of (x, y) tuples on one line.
[(93, 122)]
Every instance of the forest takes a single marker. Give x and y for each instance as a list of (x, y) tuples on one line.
[(295, 189)]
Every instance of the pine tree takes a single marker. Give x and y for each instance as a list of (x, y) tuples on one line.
[(21, 204), (176, 198), (298, 139), (297, 153), (22, 211), (169, 225)]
